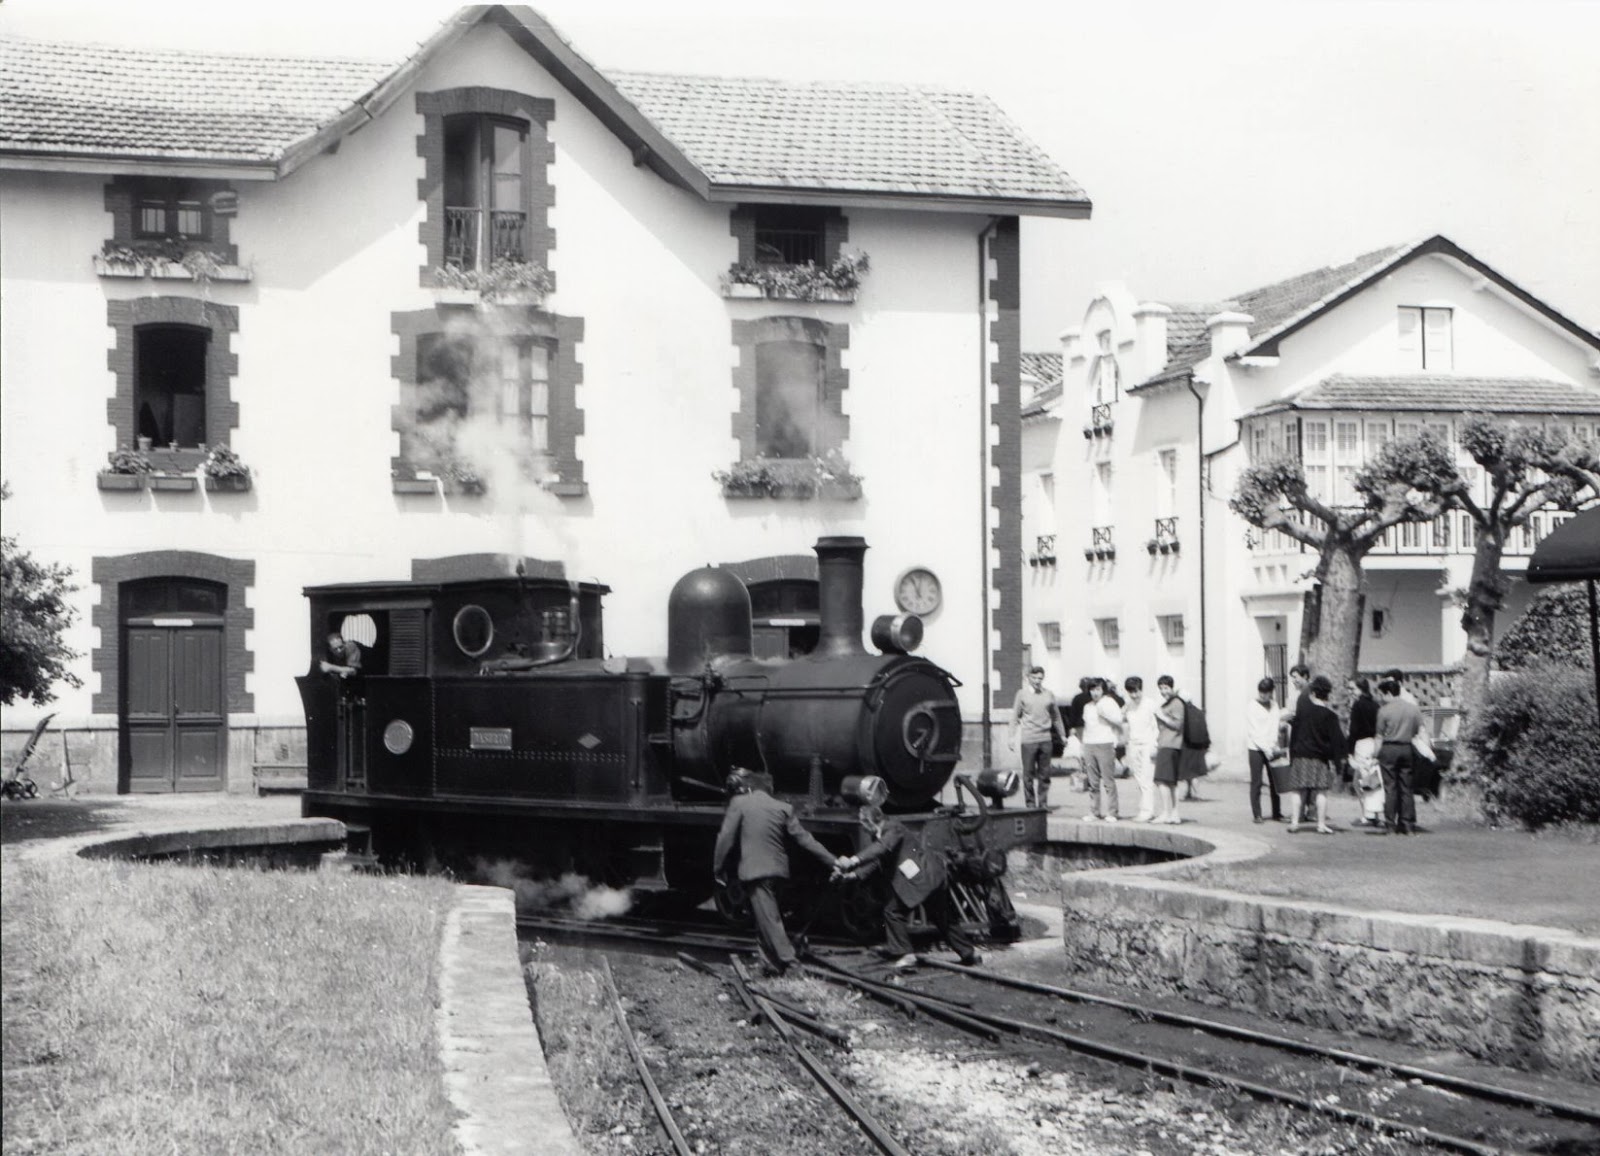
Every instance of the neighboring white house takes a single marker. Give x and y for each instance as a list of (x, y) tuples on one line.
[(1136, 564), (478, 308)]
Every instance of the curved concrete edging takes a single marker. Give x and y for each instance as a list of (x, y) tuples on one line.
[(494, 1067), (146, 844), (1510, 993)]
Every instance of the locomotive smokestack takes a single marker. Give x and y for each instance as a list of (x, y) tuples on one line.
[(839, 594)]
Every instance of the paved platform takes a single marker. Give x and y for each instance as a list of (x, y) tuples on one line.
[(1456, 867)]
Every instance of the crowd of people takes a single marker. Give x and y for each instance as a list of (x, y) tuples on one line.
[(1298, 754), (1100, 735), (1303, 752)]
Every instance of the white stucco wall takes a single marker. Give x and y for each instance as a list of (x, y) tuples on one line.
[(335, 251), (1253, 598)]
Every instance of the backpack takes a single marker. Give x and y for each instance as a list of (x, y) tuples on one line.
[(1196, 735)]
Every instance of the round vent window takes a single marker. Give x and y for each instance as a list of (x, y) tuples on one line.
[(397, 737), (474, 630)]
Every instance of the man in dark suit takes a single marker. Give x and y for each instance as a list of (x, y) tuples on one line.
[(761, 828), (919, 877)]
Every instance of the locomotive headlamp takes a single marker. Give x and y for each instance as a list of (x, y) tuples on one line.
[(865, 790), (397, 737), (897, 633), (997, 785)]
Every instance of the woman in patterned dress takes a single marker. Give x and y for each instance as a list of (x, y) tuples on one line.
[(1314, 753)]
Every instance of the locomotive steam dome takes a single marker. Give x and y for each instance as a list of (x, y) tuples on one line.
[(708, 616)]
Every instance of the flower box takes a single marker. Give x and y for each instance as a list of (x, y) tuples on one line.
[(110, 481), (174, 483), (416, 485), (736, 290), (469, 487), (230, 484), (159, 270), (567, 489)]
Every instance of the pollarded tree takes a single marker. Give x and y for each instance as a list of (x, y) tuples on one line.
[(1526, 467), (34, 614), (1407, 481)]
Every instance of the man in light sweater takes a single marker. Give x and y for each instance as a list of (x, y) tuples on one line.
[(1036, 724)]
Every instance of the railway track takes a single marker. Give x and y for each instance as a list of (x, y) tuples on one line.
[(1441, 1110)]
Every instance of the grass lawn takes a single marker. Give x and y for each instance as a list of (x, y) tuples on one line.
[(174, 1009)]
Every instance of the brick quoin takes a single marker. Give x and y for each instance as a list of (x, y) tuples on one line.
[(122, 195), (566, 374), (125, 317), (774, 568), (1005, 332), (467, 567), (832, 336), (538, 195), (238, 575)]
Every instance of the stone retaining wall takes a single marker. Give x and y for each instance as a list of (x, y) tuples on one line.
[(1519, 995)]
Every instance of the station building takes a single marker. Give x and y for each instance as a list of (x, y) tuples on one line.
[(1131, 450), (490, 307)]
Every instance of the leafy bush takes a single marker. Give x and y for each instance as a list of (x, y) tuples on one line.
[(789, 477), (1532, 748), (35, 613), (1554, 628)]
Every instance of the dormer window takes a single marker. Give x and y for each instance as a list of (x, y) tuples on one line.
[(485, 190), (1425, 338), (1106, 376)]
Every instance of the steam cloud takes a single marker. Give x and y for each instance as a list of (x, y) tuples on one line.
[(582, 897)]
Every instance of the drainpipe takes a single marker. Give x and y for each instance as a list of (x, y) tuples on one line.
[(1200, 498), (983, 479)]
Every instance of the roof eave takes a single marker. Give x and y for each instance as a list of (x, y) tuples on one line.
[(1157, 384), (1267, 344), (729, 193), (132, 164)]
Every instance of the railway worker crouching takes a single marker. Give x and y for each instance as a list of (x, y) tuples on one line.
[(761, 828), (919, 878)]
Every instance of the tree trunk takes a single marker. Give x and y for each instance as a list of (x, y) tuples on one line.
[(1485, 598), (1333, 651)]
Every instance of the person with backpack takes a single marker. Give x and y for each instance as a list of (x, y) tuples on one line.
[(1177, 759)]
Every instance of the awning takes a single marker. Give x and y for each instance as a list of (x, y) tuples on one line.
[(1569, 553)]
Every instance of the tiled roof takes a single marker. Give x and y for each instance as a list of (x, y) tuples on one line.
[(215, 108), (1044, 368), (1269, 307), (1442, 392), (871, 138)]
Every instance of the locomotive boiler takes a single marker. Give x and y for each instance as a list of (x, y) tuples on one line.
[(486, 721)]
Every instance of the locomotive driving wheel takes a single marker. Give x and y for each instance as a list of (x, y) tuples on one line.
[(733, 904)]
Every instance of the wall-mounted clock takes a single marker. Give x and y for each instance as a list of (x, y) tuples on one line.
[(918, 591)]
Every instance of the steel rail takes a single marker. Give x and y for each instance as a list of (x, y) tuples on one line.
[(876, 1131), (707, 941), (1198, 1075), (798, 1016), (1460, 1084), (663, 1113), (943, 1009)]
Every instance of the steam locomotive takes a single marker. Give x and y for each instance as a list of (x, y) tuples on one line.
[(486, 721)]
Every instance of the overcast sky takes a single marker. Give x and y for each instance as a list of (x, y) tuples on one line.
[(1225, 144)]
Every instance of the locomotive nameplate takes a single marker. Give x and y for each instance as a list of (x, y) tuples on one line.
[(489, 739)]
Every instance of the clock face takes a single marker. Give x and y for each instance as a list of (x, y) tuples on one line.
[(918, 592)]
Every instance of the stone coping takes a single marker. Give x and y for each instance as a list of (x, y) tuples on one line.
[(1189, 840), (144, 844)]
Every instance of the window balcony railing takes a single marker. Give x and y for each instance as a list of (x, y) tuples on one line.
[(1102, 548), (1099, 422), (1166, 539), (1044, 553), (1453, 532), (464, 237)]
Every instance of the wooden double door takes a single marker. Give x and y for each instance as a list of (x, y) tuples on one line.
[(174, 716)]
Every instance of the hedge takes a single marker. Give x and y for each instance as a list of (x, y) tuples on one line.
[(1534, 747)]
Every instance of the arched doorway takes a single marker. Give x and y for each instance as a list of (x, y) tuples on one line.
[(174, 685)]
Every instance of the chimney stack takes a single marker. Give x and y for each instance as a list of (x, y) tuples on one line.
[(839, 581)]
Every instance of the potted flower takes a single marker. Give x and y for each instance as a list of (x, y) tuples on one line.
[(125, 470), (827, 476), (463, 479), (506, 279), (224, 471), (836, 281)]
